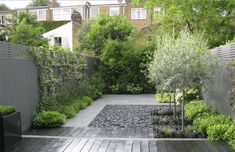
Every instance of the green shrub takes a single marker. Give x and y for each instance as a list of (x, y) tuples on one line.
[(164, 97), (115, 88), (190, 95), (49, 119), (92, 87), (85, 101), (5, 110), (76, 105), (68, 111), (203, 123), (217, 132), (134, 88), (197, 108)]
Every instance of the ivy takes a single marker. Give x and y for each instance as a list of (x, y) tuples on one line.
[(58, 70)]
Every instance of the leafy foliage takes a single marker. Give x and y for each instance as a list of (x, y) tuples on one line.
[(49, 119), (94, 35), (196, 109), (5, 110), (164, 97), (203, 123), (60, 74), (4, 7), (24, 29), (50, 25), (215, 18), (120, 56), (181, 63), (68, 111), (39, 3)]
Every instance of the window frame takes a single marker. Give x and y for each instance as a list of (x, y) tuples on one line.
[(97, 14), (139, 11), (115, 8)]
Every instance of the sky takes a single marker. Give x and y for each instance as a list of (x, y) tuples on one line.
[(23, 3)]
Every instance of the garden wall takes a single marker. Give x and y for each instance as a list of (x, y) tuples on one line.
[(218, 88), (18, 80)]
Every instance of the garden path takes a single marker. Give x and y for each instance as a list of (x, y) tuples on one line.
[(75, 136), (84, 117)]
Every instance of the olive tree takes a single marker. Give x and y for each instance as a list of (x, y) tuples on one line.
[(181, 63)]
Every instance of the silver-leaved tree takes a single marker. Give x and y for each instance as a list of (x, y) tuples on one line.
[(181, 63)]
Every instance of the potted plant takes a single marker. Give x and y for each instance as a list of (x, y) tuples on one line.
[(10, 126)]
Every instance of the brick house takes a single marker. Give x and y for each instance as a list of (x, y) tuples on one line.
[(138, 16)]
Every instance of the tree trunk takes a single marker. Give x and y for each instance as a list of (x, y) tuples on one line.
[(174, 107), (182, 111), (170, 102)]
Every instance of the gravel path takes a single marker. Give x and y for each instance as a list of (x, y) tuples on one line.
[(125, 116)]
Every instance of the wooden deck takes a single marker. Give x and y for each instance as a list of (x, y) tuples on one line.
[(108, 140)]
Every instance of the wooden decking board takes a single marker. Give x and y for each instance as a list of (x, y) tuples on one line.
[(104, 146), (80, 145), (96, 145), (112, 146), (202, 146), (153, 146), (144, 132), (136, 146), (77, 132), (30, 146), (20, 145), (88, 145), (128, 146), (60, 146), (144, 147), (138, 133), (83, 132), (131, 133), (120, 146), (72, 145), (150, 133), (46, 146)]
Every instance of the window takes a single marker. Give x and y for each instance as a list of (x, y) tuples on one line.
[(41, 14), (94, 12), (62, 14), (58, 41), (157, 10), (113, 11), (138, 13)]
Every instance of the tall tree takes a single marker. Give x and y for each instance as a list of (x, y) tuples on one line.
[(26, 30), (214, 18), (3, 7), (39, 3), (181, 63)]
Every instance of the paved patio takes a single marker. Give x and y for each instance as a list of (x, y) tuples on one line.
[(84, 117)]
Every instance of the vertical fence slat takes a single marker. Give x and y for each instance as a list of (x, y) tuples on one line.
[(18, 80)]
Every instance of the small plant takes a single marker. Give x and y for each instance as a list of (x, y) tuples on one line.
[(197, 108), (217, 132), (115, 88), (203, 123), (68, 111), (5, 110), (85, 101), (134, 88), (49, 119), (164, 97), (167, 132)]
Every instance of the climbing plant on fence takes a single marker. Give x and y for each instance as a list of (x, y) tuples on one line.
[(59, 71)]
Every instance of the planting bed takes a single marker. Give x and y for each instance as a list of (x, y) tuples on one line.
[(158, 117)]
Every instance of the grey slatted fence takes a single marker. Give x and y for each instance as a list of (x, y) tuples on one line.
[(217, 89), (18, 80)]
